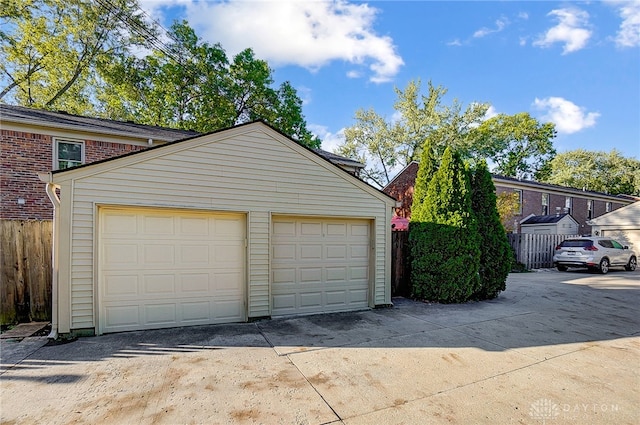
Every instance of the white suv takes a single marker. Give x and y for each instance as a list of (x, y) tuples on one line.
[(594, 253)]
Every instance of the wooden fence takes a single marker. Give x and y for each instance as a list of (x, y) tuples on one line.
[(535, 251), (25, 271), (400, 272)]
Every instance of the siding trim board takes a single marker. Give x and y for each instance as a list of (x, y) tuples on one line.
[(290, 181)]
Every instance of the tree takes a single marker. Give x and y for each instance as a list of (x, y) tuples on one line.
[(518, 145), (608, 172), (495, 251), (444, 241), (385, 145), (427, 168), (508, 204), (49, 49), (193, 85)]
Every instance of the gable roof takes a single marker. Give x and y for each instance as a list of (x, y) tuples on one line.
[(546, 219), (87, 169), (63, 120), (410, 173), (629, 215)]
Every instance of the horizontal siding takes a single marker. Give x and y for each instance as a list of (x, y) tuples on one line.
[(252, 172)]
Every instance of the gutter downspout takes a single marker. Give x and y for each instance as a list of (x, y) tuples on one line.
[(55, 201)]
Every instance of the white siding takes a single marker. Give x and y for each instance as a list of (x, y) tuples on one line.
[(250, 169)]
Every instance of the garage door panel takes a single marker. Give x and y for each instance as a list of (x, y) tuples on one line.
[(196, 282), (159, 284), (176, 268), (122, 317), (316, 264), (160, 314), (120, 286), (116, 255)]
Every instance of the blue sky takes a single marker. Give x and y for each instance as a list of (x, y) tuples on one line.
[(576, 64)]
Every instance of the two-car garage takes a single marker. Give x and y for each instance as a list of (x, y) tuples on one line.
[(227, 227)]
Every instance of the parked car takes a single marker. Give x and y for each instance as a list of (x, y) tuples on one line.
[(594, 253)]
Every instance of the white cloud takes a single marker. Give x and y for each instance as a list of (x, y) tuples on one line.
[(629, 33), (455, 42), (500, 25), (523, 15), (571, 31), (330, 141), (491, 112), (566, 115), (310, 34)]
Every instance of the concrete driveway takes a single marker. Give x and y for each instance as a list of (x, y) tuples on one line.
[(555, 348)]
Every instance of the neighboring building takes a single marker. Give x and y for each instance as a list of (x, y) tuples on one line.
[(622, 224), (237, 224), (554, 224), (33, 141), (534, 198)]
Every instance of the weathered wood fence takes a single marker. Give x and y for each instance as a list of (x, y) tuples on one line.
[(400, 272), (25, 271), (535, 251)]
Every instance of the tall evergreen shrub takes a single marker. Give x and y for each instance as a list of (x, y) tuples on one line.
[(495, 251), (444, 239)]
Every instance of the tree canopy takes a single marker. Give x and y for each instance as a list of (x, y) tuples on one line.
[(49, 49), (384, 145), (518, 145), (102, 58), (608, 172)]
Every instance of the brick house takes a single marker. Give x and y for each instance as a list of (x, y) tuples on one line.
[(33, 141), (535, 198)]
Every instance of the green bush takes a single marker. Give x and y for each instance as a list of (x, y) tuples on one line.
[(495, 251), (444, 241)]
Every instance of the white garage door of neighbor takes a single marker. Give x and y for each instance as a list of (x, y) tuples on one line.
[(162, 268), (319, 265)]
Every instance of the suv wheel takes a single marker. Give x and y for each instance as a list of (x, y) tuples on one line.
[(631, 266), (604, 266), (562, 268)]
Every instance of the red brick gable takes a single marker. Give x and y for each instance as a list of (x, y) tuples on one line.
[(401, 188)]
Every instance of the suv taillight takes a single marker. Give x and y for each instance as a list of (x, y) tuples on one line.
[(558, 247), (590, 248)]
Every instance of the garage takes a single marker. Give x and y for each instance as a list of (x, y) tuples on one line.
[(622, 224), (236, 225), (170, 268), (319, 265)]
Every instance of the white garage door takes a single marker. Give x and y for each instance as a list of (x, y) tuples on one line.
[(319, 265), (162, 268)]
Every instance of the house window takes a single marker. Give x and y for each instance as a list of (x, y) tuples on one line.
[(518, 192), (68, 153), (607, 207), (545, 204), (589, 209), (567, 204)]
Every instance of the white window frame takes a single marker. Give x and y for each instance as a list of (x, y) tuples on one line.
[(56, 160), (520, 200), (607, 207), (545, 203), (589, 209), (568, 203)]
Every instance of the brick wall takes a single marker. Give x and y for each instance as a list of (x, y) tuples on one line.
[(401, 188), (22, 156), (532, 204)]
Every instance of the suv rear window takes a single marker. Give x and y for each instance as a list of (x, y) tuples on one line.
[(576, 243)]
